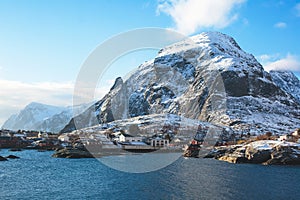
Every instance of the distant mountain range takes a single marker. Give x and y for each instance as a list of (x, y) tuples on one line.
[(41, 117)]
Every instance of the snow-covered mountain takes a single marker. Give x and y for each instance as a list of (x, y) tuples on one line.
[(32, 116), (41, 117), (288, 82), (207, 77)]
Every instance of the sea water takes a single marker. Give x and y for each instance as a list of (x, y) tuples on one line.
[(36, 175)]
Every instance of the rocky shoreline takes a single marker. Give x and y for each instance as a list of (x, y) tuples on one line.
[(265, 152)]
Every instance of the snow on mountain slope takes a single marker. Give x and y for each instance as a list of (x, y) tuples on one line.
[(58, 121), (42, 117), (288, 82), (207, 77), (31, 116)]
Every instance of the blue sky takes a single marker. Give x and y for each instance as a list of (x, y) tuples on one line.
[(44, 43)]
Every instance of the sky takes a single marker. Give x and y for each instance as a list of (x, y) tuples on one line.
[(43, 44)]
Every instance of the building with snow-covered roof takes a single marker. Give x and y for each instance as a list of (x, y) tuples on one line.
[(123, 137)]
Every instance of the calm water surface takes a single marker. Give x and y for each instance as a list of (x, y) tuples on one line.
[(38, 176)]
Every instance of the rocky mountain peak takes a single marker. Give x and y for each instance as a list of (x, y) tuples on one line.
[(118, 82), (207, 77)]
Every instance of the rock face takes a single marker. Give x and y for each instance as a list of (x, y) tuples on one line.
[(285, 155), (207, 77), (56, 122), (266, 152), (288, 82), (257, 156)]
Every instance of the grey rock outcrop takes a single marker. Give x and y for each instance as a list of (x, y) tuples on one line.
[(257, 156), (267, 153), (288, 82), (284, 156)]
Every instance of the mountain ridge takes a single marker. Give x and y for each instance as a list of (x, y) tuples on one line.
[(41, 117), (207, 77)]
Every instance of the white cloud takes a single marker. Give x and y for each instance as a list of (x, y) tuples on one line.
[(15, 95), (18, 93), (192, 15), (298, 9), (280, 25), (272, 62)]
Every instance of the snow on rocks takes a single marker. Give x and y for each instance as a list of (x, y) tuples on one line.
[(267, 152), (206, 77)]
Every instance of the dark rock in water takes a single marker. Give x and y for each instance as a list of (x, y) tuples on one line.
[(15, 149), (191, 153), (72, 153), (3, 159), (12, 157)]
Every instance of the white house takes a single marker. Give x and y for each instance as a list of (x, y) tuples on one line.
[(129, 138), (159, 142)]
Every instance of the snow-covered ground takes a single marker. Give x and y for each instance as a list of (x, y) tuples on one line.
[(270, 144)]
